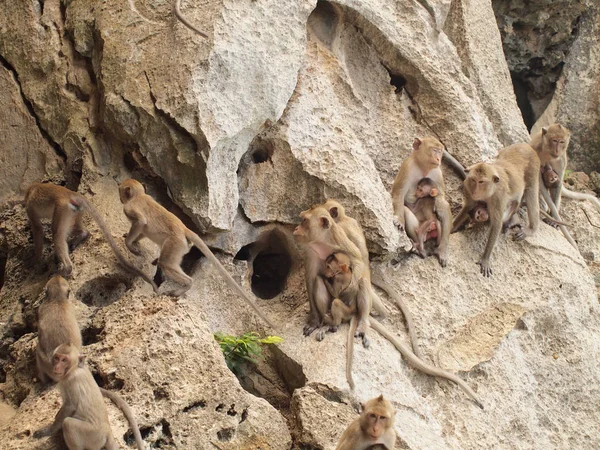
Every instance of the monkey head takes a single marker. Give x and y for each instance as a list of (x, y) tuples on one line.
[(57, 287), (555, 139), (480, 213), (65, 359), (550, 177), (337, 263), (377, 417), (481, 181), (128, 189), (428, 152), (426, 187), (315, 225)]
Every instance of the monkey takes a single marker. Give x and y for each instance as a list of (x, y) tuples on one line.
[(550, 177), (355, 233), (338, 279), (424, 210), (177, 11), (502, 185), (424, 161), (66, 208), (479, 213), (57, 325), (150, 219), (322, 233), (318, 225), (374, 427), (83, 417)]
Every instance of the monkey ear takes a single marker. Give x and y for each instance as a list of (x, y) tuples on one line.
[(416, 143), (344, 268), (334, 212), (81, 361), (380, 398), (434, 192), (325, 222), (144, 186), (544, 130), (495, 178), (128, 192), (468, 169)]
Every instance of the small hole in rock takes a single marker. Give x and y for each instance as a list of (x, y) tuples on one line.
[(195, 405), (261, 155), (323, 22), (159, 435), (397, 80), (226, 434), (160, 394), (92, 334), (190, 259), (271, 266), (220, 407), (104, 290)]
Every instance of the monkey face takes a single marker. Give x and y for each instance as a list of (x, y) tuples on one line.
[(314, 226), (481, 214), (481, 182), (61, 365), (378, 423)]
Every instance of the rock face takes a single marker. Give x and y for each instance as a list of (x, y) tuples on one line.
[(284, 105)]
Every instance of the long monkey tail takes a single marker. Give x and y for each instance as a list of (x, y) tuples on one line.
[(581, 196), (417, 363), (350, 351), (124, 407), (198, 242), (177, 11), (106, 232), (391, 292)]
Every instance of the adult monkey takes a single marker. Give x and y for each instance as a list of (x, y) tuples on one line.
[(319, 230), (502, 185), (177, 11), (150, 219), (355, 233), (66, 208), (423, 162)]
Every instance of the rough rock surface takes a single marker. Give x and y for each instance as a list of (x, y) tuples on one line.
[(284, 105)]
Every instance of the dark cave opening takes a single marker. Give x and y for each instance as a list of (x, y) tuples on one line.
[(522, 93), (396, 80), (323, 21)]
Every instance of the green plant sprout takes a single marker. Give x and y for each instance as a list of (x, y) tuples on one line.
[(243, 349)]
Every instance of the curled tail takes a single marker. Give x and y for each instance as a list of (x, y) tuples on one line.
[(198, 242), (124, 407), (417, 363), (581, 196), (350, 351), (391, 292), (177, 11), (106, 232)]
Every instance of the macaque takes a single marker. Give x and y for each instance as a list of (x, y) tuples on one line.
[(375, 426), (502, 185), (177, 11), (66, 208), (423, 162), (355, 233), (424, 210), (550, 177), (149, 219), (57, 325), (83, 417), (321, 236), (479, 213)]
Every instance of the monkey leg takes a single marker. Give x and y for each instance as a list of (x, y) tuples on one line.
[(80, 435), (463, 216), (321, 300), (363, 310), (79, 233), (37, 232), (171, 255), (43, 368), (134, 235), (531, 197), (62, 414), (444, 215), (411, 223), (62, 222)]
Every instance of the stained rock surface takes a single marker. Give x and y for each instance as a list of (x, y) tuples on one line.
[(284, 105)]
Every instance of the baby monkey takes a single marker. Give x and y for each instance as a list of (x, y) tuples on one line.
[(550, 176), (425, 212), (338, 277), (480, 213)]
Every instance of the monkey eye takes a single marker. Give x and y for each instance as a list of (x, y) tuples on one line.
[(372, 416), (480, 181)]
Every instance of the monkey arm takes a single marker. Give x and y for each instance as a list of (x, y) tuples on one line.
[(64, 412), (444, 215), (399, 190), (463, 216), (135, 234)]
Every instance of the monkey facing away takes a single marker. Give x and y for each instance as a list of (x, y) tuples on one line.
[(374, 427), (319, 230), (57, 325), (150, 219), (66, 208), (355, 233), (423, 162), (83, 416), (502, 185)]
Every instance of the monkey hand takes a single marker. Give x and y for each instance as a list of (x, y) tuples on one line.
[(134, 248), (309, 328), (361, 332), (522, 233), (486, 269), (65, 269), (43, 432), (398, 223)]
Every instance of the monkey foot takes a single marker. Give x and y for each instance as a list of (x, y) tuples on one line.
[(522, 233), (309, 328), (486, 270), (79, 238), (43, 432), (365, 342), (443, 259), (65, 270), (321, 334)]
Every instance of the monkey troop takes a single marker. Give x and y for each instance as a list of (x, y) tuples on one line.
[(336, 263)]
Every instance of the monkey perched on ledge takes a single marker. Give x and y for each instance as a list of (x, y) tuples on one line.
[(66, 208)]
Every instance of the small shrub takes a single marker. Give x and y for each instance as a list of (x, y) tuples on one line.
[(246, 348)]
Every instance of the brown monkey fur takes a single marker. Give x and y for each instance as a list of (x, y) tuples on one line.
[(66, 208), (177, 11), (502, 185), (57, 325), (374, 427), (424, 210), (320, 232), (355, 233), (550, 177), (83, 417), (423, 162), (150, 219)]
